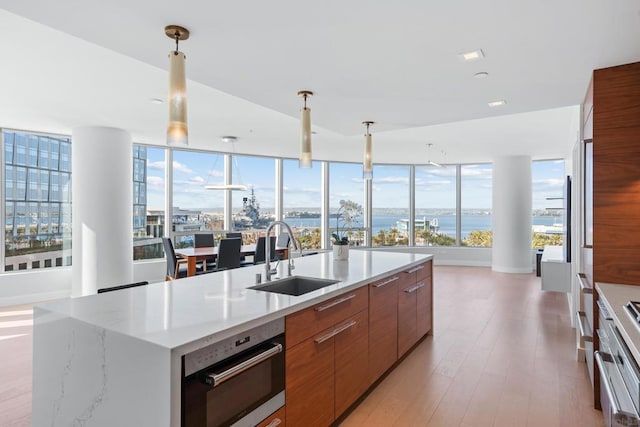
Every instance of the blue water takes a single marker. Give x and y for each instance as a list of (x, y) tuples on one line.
[(447, 222)]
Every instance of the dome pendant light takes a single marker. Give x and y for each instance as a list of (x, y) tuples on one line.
[(177, 134), (367, 163), (305, 135)]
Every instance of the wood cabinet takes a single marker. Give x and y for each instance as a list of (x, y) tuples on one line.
[(352, 362), (611, 130), (338, 348), (327, 372), (407, 313), (415, 306), (424, 304), (277, 419), (383, 326)]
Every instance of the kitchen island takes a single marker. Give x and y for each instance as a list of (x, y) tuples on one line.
[(116, 358)]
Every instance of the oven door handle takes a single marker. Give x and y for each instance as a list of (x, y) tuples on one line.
[(215, 379), (613, 400)]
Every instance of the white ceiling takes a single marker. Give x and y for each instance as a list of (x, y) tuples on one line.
[(99, 63)]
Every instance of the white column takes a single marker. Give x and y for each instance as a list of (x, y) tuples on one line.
[(512, 215), (101, 159)]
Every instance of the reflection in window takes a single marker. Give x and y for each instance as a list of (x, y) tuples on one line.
[(435, 207), (476, 194), (390, 203), (302, 202)]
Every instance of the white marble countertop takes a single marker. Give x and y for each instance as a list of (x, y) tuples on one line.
[(175, 315), (615, 297)]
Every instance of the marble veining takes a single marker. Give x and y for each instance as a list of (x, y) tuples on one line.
[(114, 359)]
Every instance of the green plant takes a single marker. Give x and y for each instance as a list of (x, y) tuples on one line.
[(349, 212)]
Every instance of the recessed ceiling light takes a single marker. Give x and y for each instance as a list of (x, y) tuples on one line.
[(471, 56), (481, 75), (156, 100), (229, 139), (497, 103)]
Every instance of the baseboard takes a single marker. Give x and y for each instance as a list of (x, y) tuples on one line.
[(34, 298)]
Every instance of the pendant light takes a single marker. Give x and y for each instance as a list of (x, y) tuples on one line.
[(233, 187), (305, 134), (429, 162), (177, 134), (367, 163)]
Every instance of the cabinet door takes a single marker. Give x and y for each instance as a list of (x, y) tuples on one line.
[(383, 326), (351, 361), (407, 316), (424, 296), (277, 419), (310, 382)]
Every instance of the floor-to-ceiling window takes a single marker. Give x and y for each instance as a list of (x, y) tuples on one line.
[(390, 205), (37, 200), (547, 201), (476, 203), (302, 202), (148, 201), (346, 183), (253, 210), (194, 207), (435, 205)]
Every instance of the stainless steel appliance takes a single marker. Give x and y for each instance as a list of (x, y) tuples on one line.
[(619, 375), (235, 382)]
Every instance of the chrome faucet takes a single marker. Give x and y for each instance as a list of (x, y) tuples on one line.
[(268, 271)]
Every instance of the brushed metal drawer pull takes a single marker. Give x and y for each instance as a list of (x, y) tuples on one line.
[(216, 379), (585, 331), (276, 422), (336, 302), (414, 288), (386, 282), (335, 332), (418, 268)]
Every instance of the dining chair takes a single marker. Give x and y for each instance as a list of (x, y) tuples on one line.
[(283, 240), (205, 240), (119, 287), (234, 235), (228, 254), (260, 253), (176, 267)]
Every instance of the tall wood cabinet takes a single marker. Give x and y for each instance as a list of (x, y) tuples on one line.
[(611, 212)]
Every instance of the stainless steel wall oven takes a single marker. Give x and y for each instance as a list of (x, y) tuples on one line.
[(236, 382), (619, 375)]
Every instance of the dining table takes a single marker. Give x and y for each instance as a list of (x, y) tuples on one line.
[(195, 255)]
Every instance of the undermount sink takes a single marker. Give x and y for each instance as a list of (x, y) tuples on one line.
[(294, 285)]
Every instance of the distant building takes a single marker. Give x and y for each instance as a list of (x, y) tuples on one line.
[(37, 200)]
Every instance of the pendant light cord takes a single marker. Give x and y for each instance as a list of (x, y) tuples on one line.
[(177, 36)]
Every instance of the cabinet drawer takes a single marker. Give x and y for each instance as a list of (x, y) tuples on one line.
[(383, 328), (277, 419), (308, 322), (351, 362), (425, 271)]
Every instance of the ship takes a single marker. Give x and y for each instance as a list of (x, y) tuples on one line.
[(250, 216)]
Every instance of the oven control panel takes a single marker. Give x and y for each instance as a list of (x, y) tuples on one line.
[(214, 353)]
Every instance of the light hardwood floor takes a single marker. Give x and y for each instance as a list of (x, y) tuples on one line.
[(502, 354)]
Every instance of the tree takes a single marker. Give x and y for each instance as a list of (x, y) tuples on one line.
[(479, 238)]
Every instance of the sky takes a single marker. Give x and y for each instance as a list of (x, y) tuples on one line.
[(435, 187)]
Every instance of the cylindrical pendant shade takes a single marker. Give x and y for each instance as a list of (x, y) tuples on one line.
[(305, 138), (177, 134), (367, 164)]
